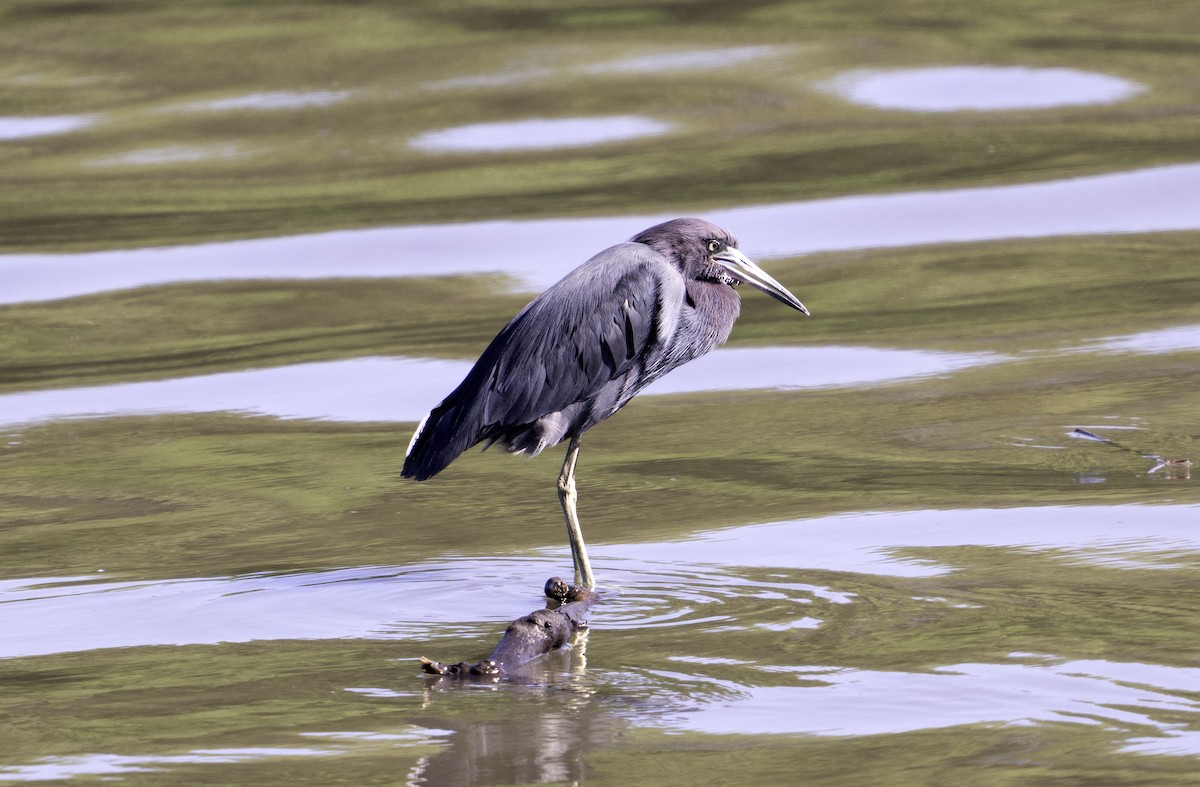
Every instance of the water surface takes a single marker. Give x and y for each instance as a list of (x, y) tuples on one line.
[(538, 133), (169, 154), (1183, 338), (280, 99), (681, 583), (404, 389), (656, 62), (22, 127), (981, 88), (540, 252), (866, 560), (687, 60)]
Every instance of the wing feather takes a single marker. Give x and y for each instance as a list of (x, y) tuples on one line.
[(579, 335), (593, 327)]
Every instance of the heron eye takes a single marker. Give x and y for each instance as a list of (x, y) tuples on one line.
[(714, 245)]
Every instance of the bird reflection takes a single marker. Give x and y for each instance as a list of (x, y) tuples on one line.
[(543, 738)]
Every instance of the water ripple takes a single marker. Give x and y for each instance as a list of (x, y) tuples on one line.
[(1146, 200), (404, 389), (690, 582), (1182, 338), (980, 88), (22, 127), (852, 702), (538, 133)]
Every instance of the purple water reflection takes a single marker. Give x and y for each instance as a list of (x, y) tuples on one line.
[(404, 389), (538, 133), (22, 127), (686, 60), (980, 88), (1121, 537), (279, 99), (655, 63), (1183, 338), (847, 702), (170, 154), (657, 584), (539, 252), (109, 766)]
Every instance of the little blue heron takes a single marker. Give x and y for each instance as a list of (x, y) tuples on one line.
[(582, 349)]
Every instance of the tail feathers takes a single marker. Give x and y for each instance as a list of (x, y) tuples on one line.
[(438, 441)]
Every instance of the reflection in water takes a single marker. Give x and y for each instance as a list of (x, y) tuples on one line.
[(330, 744), (359, 389), (1145, 200), (109, 765), (826, 616), (811, 367), (691, 582), (980, 88), (688, 60), (539, 133), (404, 389), (542, 738), (656, 63), (1181, 743), (21, 127), (422, 601), (542, 725), (539, 747), (55, 616), (1114, 536), (865, 702), (1185, 338), (168, 154), (546, 726), (280, 99)]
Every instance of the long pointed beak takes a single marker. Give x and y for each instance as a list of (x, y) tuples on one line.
[(741, 268)]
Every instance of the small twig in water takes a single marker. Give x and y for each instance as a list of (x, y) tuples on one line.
[(539, 632), (1181, 467)]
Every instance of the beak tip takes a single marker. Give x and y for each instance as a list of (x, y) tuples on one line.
[(746, 271)]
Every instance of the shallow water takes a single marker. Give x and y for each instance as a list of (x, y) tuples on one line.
[(538, 133), (1167, 340), (650, 585), (981, 88), (867, 547), (170, 154), (655, 62), (280, 99), (1149, 200), (21, 127), (404, 389)]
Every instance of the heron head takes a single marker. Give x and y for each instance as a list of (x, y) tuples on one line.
[(739, 268), (705, 251)]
